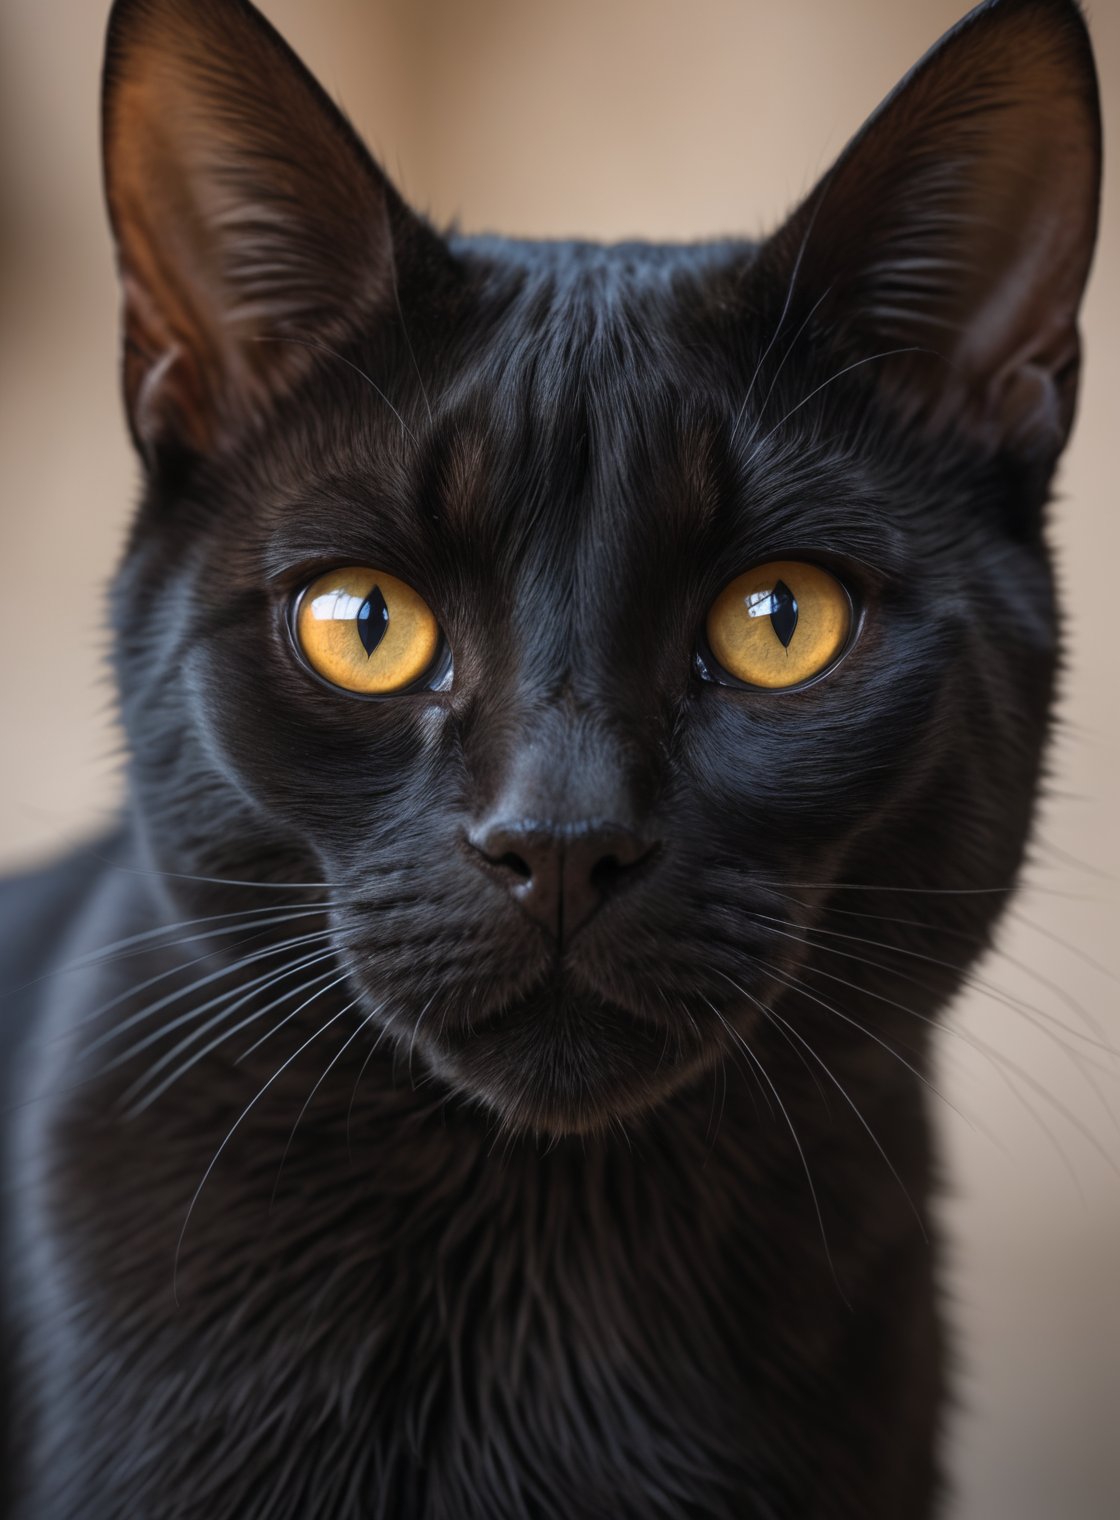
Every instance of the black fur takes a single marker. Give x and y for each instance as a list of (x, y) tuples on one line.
[(642, 1230)]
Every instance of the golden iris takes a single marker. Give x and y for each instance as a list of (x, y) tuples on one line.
[(779, 624), (366, 631)]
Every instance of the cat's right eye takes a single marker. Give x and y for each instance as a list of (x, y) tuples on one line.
[(366, 632), (780, 625)]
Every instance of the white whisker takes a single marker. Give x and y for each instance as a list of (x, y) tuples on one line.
[(233, 1130)]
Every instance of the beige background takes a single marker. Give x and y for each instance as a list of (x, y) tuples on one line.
[(663, 118)]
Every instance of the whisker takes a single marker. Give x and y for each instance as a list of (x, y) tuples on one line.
[(262, 927), (287, 1019), (775, 335), (408, 344), (172, 997), (1065, 944), (980, 943), (370, 1053), (970, 1038), (1063, 857), (734, 1033), (123, 948), (233, 1130), (865, 886), (971, 978), (684, 1009), (216, 881), (790, 348), (790, 980), (277, 918), (790, 288), (304, 963), (812, 1074), (887, 353), (342, 359), (997, 995), (221, 1039), (1025, 885), (770, 1013), (331, 1064), (415, 1032), (719, 1073)]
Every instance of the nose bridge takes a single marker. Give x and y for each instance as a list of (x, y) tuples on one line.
[(566, 767)]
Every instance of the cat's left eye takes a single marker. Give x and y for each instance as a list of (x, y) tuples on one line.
[(780, 625), (367, 632)]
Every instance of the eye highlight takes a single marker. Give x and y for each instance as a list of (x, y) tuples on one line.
[(366, 631), (780, 624)]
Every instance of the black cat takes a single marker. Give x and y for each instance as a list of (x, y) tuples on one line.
[(585, 706)]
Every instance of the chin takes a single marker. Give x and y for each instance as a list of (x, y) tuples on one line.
[(556, 1065)]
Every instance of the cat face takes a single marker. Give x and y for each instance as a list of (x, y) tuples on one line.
[(584, 616)]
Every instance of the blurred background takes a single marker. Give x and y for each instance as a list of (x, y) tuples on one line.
[(664, 119)]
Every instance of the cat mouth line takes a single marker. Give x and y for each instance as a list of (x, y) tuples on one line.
[(563, 1000), (558, 1010)]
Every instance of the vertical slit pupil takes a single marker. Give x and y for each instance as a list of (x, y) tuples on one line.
[(372, 620), (783, 612)]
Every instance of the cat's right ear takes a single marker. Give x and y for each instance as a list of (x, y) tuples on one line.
[(250, 222), (949, 245)]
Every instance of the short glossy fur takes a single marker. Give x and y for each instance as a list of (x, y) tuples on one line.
[(489, 1226)]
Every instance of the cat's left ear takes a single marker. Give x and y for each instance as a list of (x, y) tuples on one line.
[(252, 227), (959, 224)]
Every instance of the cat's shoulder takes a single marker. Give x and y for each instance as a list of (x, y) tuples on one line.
[(38, 908)]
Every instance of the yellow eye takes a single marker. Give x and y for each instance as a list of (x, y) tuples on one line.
[(779, 624), (366, 631)]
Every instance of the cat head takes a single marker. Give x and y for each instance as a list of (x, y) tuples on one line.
[(589, 620)]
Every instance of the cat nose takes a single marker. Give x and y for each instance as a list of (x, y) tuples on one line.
[(559, 875)]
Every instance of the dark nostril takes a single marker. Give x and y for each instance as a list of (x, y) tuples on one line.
[(515, 856), (516, 864), (605, 872), (560, 875), (624, 850)]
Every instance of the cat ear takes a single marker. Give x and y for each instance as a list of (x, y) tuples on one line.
[(244, 208), (960, 222)]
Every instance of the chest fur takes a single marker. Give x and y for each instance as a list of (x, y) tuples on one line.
[(415, 1326)]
